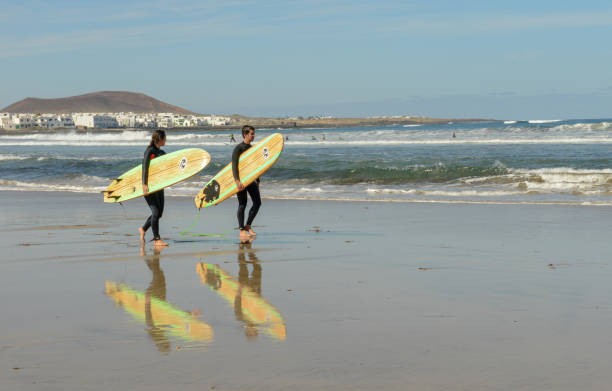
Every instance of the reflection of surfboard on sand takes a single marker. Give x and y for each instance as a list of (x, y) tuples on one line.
[(164, 171), (252, 164), (255, 309), (177, 322)]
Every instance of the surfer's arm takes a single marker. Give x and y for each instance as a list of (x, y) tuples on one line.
[(145, 171), (235, 171)]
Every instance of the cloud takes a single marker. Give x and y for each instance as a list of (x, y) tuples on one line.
[(146, 24), (491, 23), (113, 37)]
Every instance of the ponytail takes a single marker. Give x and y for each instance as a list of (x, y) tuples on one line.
[(157, 137)]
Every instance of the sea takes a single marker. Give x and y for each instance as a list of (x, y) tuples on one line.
[(531, 162)]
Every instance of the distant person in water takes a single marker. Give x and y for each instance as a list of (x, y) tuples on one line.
[(155, 200), (454, 135), (232, 139), (246, 232)]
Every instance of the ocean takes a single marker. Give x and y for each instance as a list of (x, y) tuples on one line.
[(538, 161)]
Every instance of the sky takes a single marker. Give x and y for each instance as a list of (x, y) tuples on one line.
[(439, 58)]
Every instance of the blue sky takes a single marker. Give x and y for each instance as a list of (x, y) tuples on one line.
[(494, 59)]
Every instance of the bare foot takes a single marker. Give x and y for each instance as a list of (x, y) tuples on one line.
[(142, 234), (142, 250), (159, 243), (244, 236), (250, 230)]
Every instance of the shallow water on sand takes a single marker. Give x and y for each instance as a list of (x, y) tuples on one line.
[(330, 295)]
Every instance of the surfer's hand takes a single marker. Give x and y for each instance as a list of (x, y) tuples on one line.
[(239, 185), (145, 189)]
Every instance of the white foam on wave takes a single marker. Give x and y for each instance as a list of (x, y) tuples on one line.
[(311, 190), (85, 158), (497, 141), (35, 186), (543, 121), (93, 143), (565, 179), (81, 136), (125, 138), (13, 157), (445, 201), (445, 193), (513, 134), (582, 127)]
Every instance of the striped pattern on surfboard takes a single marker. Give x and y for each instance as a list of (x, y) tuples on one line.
[(164, 171), (177, 322), (252, 164)]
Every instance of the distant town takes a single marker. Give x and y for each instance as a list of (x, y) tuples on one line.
[(16, 121), (132, 110)]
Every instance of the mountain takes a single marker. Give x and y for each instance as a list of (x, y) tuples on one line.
[(96, 102)]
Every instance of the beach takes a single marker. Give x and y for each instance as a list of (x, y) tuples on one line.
[(331, 295)]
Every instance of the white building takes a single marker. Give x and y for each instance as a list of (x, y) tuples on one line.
[(126, 120), (47, 121), (216, 120), (109, 120), (6, 121), (165, 120), (67, 121), (23, 120), (146, 121), (87, 120)]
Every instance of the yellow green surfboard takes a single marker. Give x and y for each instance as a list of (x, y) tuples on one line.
[(252, 164), (177, 322), (164, 171)]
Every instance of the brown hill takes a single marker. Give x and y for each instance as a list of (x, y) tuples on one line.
[(96, 102)]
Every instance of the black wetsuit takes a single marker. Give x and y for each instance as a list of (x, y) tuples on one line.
[(252, 189), (155, 200)]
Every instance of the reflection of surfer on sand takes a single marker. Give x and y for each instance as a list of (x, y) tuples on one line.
[(156, 289), (163, 320), (253, 282), (244, 294)]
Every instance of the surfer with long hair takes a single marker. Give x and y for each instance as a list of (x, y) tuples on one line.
[(154, 200)]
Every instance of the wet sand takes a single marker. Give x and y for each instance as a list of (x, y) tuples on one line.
[(331, 295)]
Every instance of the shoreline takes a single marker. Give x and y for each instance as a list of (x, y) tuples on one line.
[(264, 124), (598, 204)]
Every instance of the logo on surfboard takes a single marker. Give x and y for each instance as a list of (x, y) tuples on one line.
[(265, 152), (211, 192), (183, 163)]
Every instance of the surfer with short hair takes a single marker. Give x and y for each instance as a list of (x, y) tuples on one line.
[(248, 134), (155, 200)]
